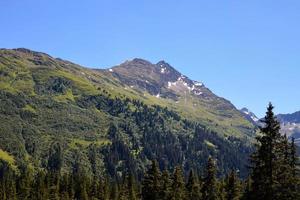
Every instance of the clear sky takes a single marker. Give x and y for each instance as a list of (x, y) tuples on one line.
[(246, 51)]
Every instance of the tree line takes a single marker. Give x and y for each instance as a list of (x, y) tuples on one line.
[(273, 174)]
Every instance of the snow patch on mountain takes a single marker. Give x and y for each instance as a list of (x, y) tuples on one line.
[(163, 69), (250, 115), (198, 83), (182, 84)]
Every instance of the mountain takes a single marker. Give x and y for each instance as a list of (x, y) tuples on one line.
[(290, 125), (249, 115), (113, 120), (162, 84)]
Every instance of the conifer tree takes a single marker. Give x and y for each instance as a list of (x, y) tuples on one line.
[(7, 182), (79, 181), (40, 186), (232, 187), (284, 176), (293, 158), (210, 185), (11, 192), (264, 162), (165, 186), (221, 185), (96, 189), (106, 189), (114, 191), (271, 170), (151, 183), (294, 170), (54, 167), (24, 183), (193, 187), (55, 158), (129, 187), (178, 185), (247, 189)]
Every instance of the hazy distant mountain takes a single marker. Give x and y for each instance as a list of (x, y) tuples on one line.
[(290, 125)]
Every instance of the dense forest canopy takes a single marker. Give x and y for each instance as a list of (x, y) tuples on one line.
[(274, 174)]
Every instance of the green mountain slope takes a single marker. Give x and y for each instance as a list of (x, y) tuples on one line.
[(110, 121), (170, 88)]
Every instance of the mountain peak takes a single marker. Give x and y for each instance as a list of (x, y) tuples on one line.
[(163, 81), (249, 115), (162, 63), (139, 61), (166, 68)]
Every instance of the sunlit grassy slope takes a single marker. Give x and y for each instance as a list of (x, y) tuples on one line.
[(41, 103)]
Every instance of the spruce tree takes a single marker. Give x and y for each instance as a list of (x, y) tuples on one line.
[(40, 186), (165, 191), (264, 162), (95, 190), (114, 192), (221, 185), (54, 167), (294, 170), (151, 184), (178, 185), (130, 186), (7, 182), (24, 183), (271, 170), (284, 176), (247, 189), (193, 187), (293, 158), (55, 158), (79, 181), (232, 187), (210, 185)]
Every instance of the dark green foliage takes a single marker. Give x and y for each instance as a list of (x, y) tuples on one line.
[(148, 132), (193, 187), (178, 191), (166, 186), (156, 186), (8, 183), (24, 183), (210, 184), (55, 158), (273, 163), (129, 188), (232, 187), (247, 189), (114, 193), (151, 183)]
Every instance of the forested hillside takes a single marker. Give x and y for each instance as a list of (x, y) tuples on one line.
[(273, 175), (49, 103)]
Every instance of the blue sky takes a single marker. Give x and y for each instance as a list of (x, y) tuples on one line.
[(245, 51)]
